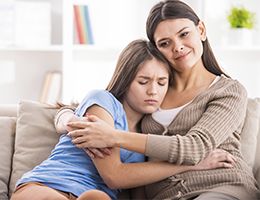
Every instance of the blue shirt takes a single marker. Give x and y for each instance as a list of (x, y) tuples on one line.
[(69, 168)]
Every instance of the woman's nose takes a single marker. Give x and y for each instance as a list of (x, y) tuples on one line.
[(178, 47)]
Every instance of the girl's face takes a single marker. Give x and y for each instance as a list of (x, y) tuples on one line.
[(148, 88), (181, 42)]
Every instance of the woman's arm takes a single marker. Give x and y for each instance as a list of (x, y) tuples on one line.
[(223, 117), (97, 133), (112, 169)]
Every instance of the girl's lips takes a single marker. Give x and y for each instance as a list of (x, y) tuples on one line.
[(150, 101)]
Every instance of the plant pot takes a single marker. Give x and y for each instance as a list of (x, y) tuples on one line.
[(240, 37)]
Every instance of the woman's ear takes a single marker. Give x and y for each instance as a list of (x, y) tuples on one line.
[(202, 30)]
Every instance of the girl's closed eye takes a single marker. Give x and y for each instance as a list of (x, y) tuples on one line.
[(162, 83), (142, 82)]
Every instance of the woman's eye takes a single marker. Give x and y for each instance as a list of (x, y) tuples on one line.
[(184, 34), (163, 44)]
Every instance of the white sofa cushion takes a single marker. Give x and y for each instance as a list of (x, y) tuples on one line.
[(35, 137), (256, 167), (250, 131), (7, 126)]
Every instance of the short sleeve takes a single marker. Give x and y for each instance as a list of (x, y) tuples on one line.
[(131, 157), (108, 102)]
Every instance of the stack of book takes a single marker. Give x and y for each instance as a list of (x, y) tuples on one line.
[(82, 24), (52, 86)]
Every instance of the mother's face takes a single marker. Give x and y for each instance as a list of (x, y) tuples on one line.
[(180, 40)]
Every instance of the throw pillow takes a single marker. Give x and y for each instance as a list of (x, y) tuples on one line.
[(35, 137), (250, 131), (256, 168), (7, 126)]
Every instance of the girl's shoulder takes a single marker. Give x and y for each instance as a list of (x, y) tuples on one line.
[(102, 98)]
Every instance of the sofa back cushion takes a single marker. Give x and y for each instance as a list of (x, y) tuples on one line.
[(256, 167), (7, 127), (8, 110), (35, 137), (250, 131)]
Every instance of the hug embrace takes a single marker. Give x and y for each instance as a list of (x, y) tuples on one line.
[(190, 112)]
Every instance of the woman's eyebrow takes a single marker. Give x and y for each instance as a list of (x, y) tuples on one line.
[(182, 29)]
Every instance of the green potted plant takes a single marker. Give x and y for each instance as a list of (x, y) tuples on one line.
[(241, 22), (240, 17)]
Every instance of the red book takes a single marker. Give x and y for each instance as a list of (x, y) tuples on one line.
[(79, 24)]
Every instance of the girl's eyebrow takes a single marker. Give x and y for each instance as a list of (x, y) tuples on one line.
[(143, 76), (147, 77)]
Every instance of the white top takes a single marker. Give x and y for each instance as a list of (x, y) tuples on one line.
[(166, 116)]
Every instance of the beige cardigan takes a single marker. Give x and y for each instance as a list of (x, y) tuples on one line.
[(212, 120)]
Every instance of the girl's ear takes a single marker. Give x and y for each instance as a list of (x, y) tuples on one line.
[(202, 30)]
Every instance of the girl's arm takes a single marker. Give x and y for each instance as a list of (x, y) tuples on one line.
[(112, 169)]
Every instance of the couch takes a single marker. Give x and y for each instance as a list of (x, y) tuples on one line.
[(27, 136)]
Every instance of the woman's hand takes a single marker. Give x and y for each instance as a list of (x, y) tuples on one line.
[(75, 123), (97, 153), (94, 133), (217, 158)]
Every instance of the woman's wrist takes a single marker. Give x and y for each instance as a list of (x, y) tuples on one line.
[(130, 140), (118, 138)]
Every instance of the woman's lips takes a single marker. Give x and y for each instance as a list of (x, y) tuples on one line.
[(181, 56)]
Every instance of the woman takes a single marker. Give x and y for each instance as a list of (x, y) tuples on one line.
[(138, 86), (203, 109)]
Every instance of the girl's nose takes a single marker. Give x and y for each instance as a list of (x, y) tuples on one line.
[(152, 90)]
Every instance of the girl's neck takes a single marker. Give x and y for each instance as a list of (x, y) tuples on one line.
[(133, 117)]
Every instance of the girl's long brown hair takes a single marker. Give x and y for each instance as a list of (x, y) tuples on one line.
[(129, 63)]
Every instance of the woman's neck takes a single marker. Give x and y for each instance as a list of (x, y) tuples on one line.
[(187, 85), (197, 77)]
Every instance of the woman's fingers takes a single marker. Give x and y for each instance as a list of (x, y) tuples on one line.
[(77, 133), (222, 155), (78, 124), (217, 158), (97, 152), (89, 153), (106, 151)]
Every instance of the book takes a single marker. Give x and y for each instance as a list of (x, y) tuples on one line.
[(83, 24), (79, 24), (52, 86), (88, 28)]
